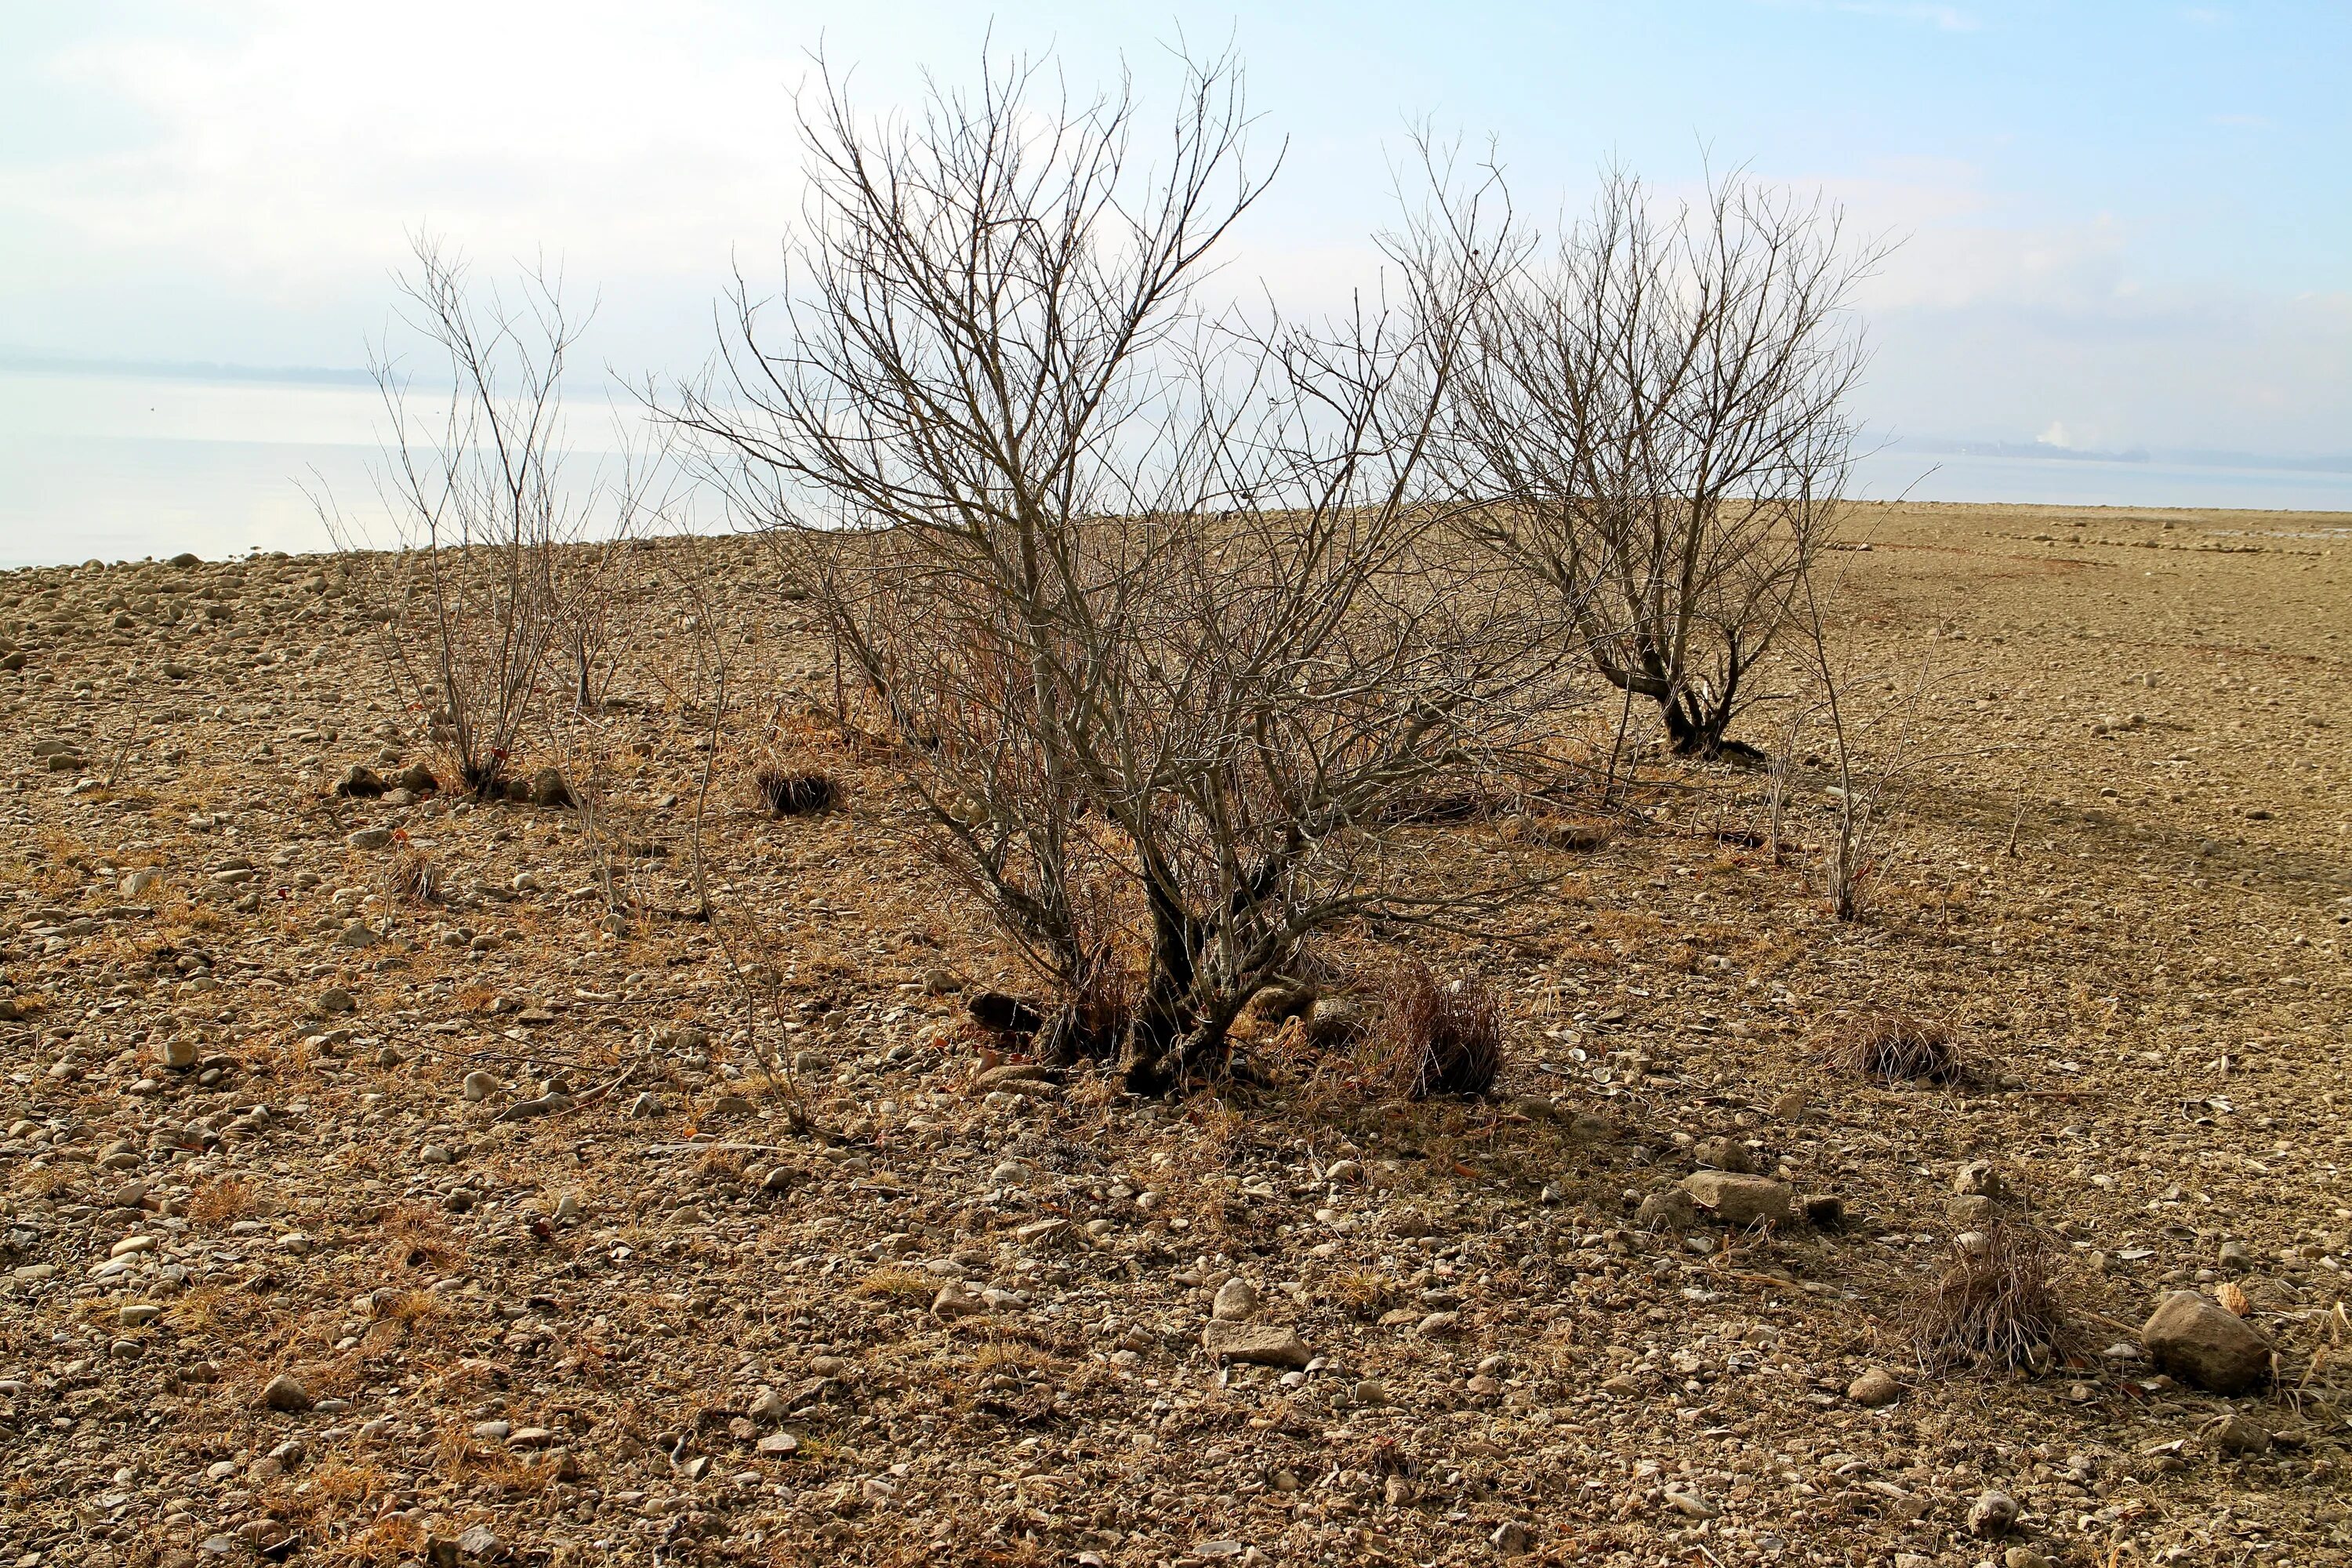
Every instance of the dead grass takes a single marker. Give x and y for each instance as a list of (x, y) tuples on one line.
[(1365, 1292), (1996, 1304), (897, 1285), (417, 1236), (414, 879), (1436, 1037), (1896, 1048), (229, 1198), (796, 791)]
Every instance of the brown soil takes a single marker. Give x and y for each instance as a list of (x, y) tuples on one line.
[(2121, 886)]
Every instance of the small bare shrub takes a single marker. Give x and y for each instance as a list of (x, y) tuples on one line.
[(1896, 1046), (794, 792), (1996, 1305), (498, 576), (1436, 1037)]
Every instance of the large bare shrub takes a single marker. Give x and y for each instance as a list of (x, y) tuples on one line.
[(1654, 405), (1153, 605), (495, 568)]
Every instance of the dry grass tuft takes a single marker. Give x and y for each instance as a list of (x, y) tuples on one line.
[(414, 879), (898, 1285), (1437, 1037), (229, 1198), (796, 791), (417, 1236), (1996, 1305), (1365, 1292), (1894, 1046)]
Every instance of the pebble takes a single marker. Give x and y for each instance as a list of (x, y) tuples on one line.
[(1741, 1200), (1992, 1515), (478, 1085), (1979, 1178), (1874, 1388), (2238, 1432), (954, 1301), (1724, 1155), (285, 1391), (1236, 1301)]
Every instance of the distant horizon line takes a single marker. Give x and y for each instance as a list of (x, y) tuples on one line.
[(2031, 449)]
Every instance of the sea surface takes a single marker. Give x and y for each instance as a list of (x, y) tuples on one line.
[(118, 468)]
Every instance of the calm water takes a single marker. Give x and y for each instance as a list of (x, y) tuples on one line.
[(117, 468)]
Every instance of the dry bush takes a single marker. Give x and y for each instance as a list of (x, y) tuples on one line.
[(1365, 1292), (1654, 408), (1153, 603), (417, 1236), (1896, 1046), (1996, 1305), (796, 791), (720, 1167), (1434, 1037), (499, 569)]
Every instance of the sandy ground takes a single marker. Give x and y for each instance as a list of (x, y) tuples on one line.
[(286, 1272)]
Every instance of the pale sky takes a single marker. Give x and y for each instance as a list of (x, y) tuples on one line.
[(2124, 224)]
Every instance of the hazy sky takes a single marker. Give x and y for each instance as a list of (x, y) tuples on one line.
[(2126, 224)]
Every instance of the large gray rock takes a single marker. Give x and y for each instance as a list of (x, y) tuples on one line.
[(2198, 1339), (1739, 1200), (1268, 1345)]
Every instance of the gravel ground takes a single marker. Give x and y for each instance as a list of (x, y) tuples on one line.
[(340, 1226)]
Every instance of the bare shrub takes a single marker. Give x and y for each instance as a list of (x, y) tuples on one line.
[(1896, 1048), (1997, 1304), (1436, 1037), (1654, 410), (1884, 738), (1154, 611), (498, 560)]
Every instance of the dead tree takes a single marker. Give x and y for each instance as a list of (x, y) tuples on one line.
[(1154, 606), (1654, 410)]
